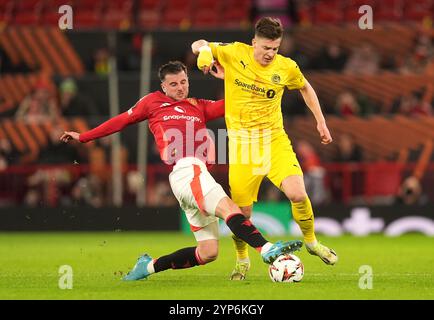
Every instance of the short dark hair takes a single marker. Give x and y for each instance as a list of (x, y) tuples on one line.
[(269, 28), (172, 67)]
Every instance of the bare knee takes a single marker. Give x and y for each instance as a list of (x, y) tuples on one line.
[(294, 189), (208, 252), (209, 255), (227, 207), (297, 197)]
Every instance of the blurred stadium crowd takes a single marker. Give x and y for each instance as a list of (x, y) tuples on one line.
[(200, 14), (375, 86)]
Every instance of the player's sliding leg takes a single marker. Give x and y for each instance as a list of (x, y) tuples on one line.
[(245, 230), (294, 189), (205, 252)]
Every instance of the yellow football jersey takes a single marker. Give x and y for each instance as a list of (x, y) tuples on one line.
[(253, 93)]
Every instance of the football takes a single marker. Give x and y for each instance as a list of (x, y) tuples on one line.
[(286, 268)]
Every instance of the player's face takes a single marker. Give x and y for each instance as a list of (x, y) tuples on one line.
[(175, 86), (264, 50)]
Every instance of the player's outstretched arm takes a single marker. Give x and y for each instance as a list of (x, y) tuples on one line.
[(311, 100), (137, 113), (204, 55), (109, 127)]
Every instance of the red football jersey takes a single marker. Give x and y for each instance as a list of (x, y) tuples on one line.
[(178, 126)]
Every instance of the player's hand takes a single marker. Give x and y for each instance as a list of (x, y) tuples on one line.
[(205, 59), (324, 133), (220, 71), (69, 135)]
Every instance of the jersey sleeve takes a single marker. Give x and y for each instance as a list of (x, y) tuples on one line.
[(222, 51), (213, 109), (296, 79), (138, 112)]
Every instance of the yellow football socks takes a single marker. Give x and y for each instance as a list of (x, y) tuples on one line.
[(303, 215), (241, 249)]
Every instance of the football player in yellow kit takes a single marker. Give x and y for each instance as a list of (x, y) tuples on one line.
[(255, 78)]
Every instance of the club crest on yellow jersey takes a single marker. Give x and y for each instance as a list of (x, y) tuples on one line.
[(275, 78)]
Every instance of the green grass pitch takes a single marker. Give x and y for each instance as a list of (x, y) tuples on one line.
[(403, 268)]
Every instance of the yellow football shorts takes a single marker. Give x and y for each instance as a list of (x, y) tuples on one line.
[(250, 163)]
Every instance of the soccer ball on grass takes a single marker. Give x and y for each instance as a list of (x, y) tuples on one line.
[(286, 268)]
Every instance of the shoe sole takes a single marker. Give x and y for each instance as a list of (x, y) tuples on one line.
[(329, 262), (237, 277), (325, 260), (286, 250)]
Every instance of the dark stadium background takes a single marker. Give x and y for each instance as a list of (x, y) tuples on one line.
[(375, 87)]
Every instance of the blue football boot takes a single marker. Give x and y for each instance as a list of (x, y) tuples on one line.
[(140, 270), (280, 248)]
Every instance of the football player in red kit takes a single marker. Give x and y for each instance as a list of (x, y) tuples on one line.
[(178, 125)]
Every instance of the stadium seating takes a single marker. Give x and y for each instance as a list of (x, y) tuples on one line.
[(28, 12), (88, 14), (412, 133), (42, 48), (206, 14), (385, 154), (381, 88), (389, 10), (400, 38), (13, 89), (46, 51), (6, 11), (417, 10), (118, 14), (149, 14), (328, 12), (177, 14), (236, 14), (28, 139), (169, 14)]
